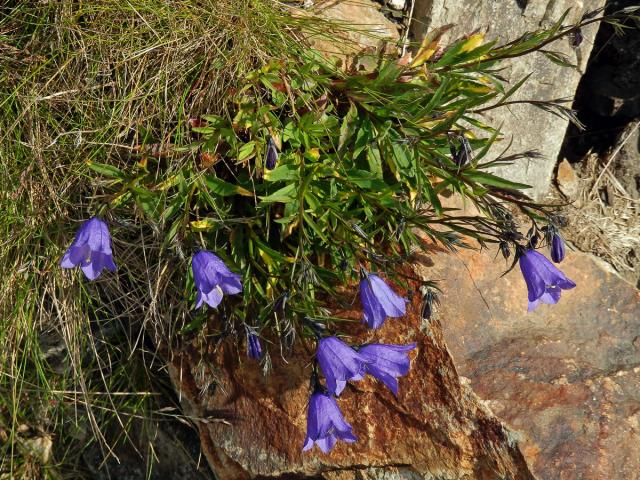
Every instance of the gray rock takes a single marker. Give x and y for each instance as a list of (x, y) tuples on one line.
[(397, 4), (529, 127), (371, 27)]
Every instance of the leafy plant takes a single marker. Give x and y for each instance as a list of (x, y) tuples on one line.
[(173, 140)]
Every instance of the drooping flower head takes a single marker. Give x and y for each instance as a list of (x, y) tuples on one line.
[(325, 423), (387, 362), (339, 363), (254, 349), (379, 301), (272, 155), (91, 249), (544, 281), (213, 279), (429, 301), (557, 247)]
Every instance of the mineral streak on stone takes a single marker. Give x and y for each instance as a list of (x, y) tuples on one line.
[(530, 127), (437, 428), (565, 377)]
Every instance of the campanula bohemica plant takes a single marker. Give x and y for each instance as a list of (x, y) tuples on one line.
[(250, 215)]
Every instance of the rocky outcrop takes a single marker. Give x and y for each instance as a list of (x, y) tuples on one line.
[(528, 126), (255, 425), (358, 25), (565, 377)]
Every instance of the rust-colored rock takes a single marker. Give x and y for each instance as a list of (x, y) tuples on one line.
[(568, 180), (436, 429), (567, 377)]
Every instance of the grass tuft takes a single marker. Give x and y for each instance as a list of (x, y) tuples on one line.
[(87, 81)]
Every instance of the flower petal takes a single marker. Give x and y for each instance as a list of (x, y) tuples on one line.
[(74, 256), (326, 443), (230, 283), (93, 269), (392, 303), (204, 277), (387, 362), (535, 283), (374, 314), (339, 363), (97, 235), (213, 298)]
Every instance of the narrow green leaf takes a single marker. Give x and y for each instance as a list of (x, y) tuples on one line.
[(375, 161), (224, 189), (492, 180), (284, 195), (106, 170), (282, 172)]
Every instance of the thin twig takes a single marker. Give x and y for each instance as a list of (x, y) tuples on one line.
[(405, 40)]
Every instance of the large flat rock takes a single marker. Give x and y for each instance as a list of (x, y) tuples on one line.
[(436, 429), (566, 377), (528, 126)]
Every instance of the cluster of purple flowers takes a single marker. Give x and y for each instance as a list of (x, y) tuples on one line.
[(544, 281), (339, 362), (91, 250)]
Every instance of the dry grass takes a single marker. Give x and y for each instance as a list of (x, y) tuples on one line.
[(605, 218)]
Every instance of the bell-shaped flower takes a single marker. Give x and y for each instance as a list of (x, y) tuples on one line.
[(91, 249), (379, 301), (254, 349), (387, 362), (213, 279), (544, 281), (325, 423), (557, 247), (339, 363)]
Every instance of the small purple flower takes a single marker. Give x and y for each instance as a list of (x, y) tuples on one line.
[(387, 362), (544, 281), (91, 249), (325, 423), (379, 301), (339, 363), (213, 279), (254, 349), (557, 247), (272, 155)]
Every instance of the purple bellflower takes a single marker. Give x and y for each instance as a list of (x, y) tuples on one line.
[(557, 247), (213, 279), (339, 363), (387, 362), (379, 301), (254, 349), (91, 249), (325, 423), (544, 281)]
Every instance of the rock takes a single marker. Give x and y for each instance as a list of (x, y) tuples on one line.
[(565, 377), (567, 179), (366, 27), (530, 128), (397, 4), (256, 425)]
